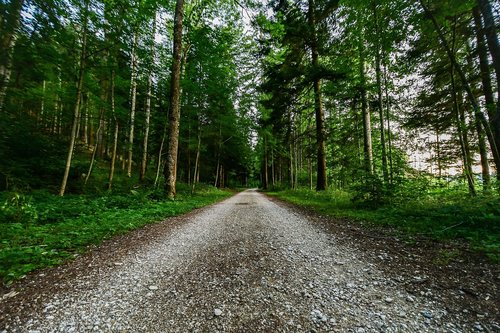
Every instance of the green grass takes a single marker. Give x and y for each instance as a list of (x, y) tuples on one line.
[(42, 229), (438, 215)]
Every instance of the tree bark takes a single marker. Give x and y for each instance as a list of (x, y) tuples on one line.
[(41, 120), (76, 110), (490, 32), (485, 167), (173, 142), (388, 122), (197, 161), (265, 180), (484, 67), (467, 169), (378, 76), (438, 155), (318, 107), (148, 105), (7, 44), (133, 98), (115, 134), (367, 130), (98, 135)]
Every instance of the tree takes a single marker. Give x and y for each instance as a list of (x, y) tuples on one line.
[(175, 92), (465, 83), (78, 99), (494, 47), (318, 107), (8, 30)]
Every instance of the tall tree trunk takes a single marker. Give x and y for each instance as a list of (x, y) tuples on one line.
[(438, 155), (467, 169), (378, 76), (41, 120), (146, 130), (197, 161), (173, 130), (461, 122), (465, 136), (484, 66), (133, 99), (493, 138), (160, 154), (490, 32), (273, 176), (57, 103), (218, 153), (99, 138), (98, 134), (216, 183), (84, 107), (367, 130), (7, 44), (76, 110), (388, 122), (86, 127), (290, 166), (148, 104), (115, 135), (485, 166), (265, 180), (318, 107)]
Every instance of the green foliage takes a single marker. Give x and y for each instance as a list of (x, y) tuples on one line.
[(370, 193), (18, 208), (436, 213), (43, 230), (29, 158)]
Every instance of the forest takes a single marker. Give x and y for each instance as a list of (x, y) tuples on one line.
[(115, 114)]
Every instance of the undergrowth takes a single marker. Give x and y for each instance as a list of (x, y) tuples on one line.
[(438, 215), (41, 229)]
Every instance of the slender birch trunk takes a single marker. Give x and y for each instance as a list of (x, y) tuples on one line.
[(133, 99), (94, 152), (378, 77), (367, 130), (148, 105), (41, 121), (76, 110), (197, 161), (115, 135)]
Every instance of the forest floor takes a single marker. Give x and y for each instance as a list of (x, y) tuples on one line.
[(255, 264)]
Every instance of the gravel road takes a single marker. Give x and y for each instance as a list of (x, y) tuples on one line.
[(247, 264)]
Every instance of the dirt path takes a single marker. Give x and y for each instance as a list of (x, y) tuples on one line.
[(247, 264)]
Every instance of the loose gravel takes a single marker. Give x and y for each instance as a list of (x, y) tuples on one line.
[(244, 265)]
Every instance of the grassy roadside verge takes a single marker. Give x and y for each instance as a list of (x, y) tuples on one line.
[(473, 220), (43, 230)]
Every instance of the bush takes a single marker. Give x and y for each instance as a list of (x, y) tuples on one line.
[(18, 208)]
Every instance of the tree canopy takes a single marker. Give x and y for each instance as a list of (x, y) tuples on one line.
[(316, 93)]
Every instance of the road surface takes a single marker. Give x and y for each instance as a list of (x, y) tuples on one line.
[(247, 264)]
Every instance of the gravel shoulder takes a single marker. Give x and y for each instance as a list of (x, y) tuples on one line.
[(254, 264)]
